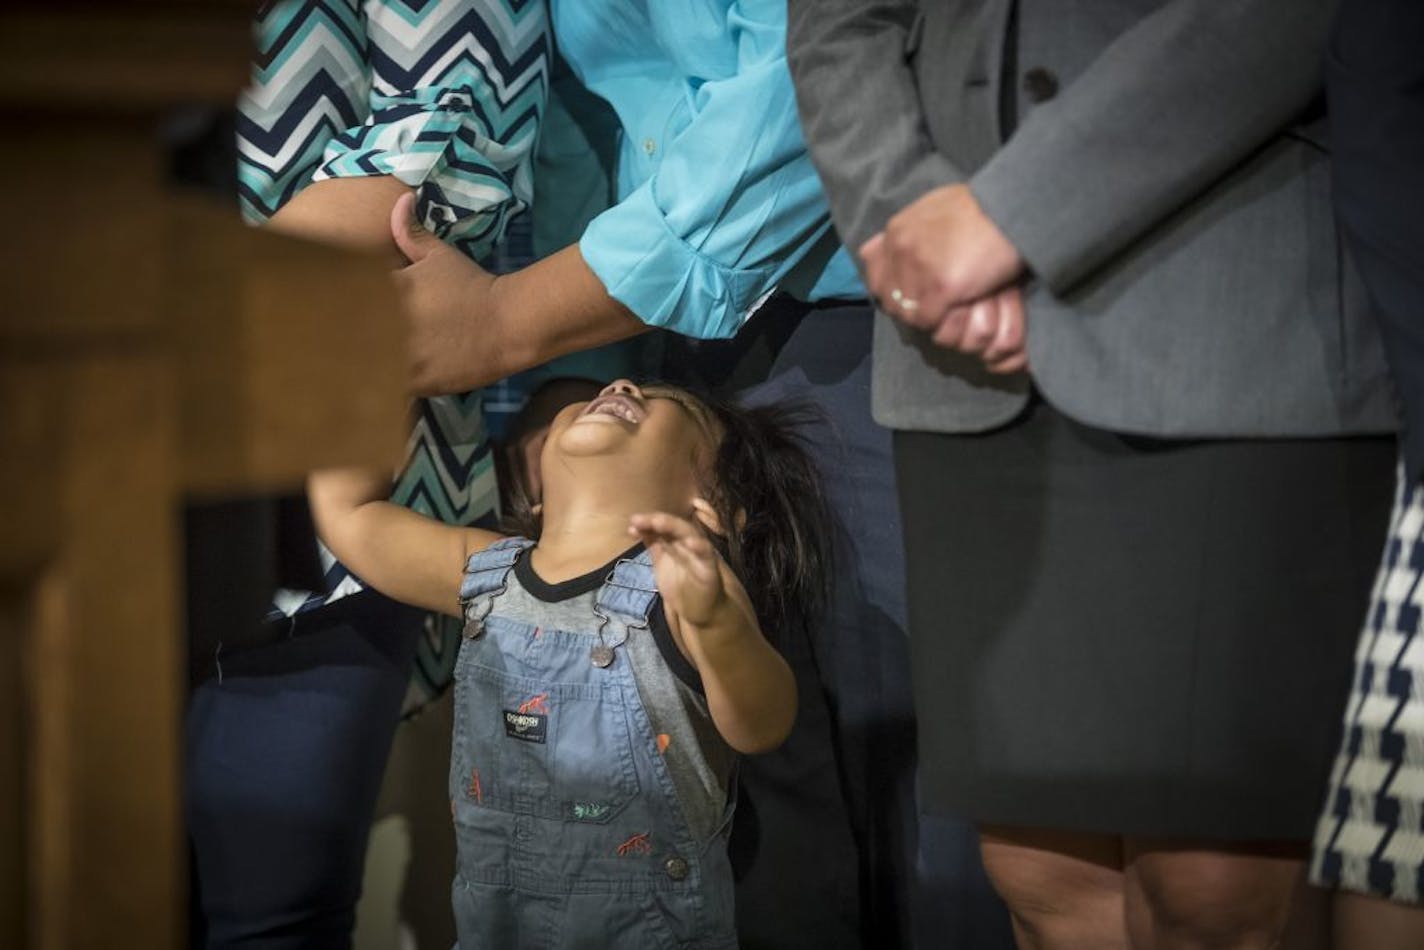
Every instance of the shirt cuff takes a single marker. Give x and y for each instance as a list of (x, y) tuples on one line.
[(661, 278), (1039, 211)]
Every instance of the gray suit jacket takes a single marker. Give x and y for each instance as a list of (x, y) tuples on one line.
[(1160, 165)]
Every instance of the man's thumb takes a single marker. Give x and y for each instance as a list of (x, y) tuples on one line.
[(412, 239)]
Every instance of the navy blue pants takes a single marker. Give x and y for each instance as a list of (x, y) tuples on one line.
[(286, 746)]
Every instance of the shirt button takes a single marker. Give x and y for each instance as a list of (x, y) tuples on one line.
[(676, 868), (1040, 84), (649, 147)]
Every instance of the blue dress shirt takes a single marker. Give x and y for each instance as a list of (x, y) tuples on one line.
[(719, 204)]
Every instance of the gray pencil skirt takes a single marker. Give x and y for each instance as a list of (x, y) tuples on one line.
[(1130, 635)]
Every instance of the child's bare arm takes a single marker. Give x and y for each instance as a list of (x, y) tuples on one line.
[(404, 555), (751, 693)]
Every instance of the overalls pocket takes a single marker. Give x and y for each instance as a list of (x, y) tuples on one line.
[(532, 747)]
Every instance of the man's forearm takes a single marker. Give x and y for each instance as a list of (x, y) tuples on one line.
[(546, 310)]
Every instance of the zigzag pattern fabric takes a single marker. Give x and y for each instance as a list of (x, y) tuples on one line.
[(445, 95), (1370, 838)]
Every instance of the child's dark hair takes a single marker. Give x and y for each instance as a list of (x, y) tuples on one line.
[(766, 491)]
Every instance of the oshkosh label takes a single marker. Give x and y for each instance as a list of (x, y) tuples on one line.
[(531, 727)]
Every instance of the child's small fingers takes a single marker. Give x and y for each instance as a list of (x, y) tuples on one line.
[(640, 525), (652, 540), (696, 545), (663, 523)]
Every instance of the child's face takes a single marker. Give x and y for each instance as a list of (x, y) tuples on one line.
[(654, 435)]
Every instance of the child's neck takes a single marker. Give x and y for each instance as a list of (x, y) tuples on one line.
[(580, 537)]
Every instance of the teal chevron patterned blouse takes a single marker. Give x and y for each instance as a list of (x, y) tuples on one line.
[(719, 204), (445, 96)]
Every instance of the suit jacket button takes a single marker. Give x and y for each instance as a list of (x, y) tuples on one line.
[(1040, 84)]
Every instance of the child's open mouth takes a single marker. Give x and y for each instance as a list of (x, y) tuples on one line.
[(619, 405)]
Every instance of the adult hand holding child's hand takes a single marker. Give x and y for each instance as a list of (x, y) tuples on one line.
[(443, 293), (469, 328)]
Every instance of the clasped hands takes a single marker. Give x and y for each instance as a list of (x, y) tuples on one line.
[(942, 266)]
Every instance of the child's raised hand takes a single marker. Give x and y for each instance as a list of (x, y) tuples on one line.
[(688, 569)]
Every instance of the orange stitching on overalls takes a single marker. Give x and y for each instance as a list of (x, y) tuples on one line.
[(638, 844), (475, 791), (664, 740), (537, 704)]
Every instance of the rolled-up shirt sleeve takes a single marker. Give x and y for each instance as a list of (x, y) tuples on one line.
[(447, 100), (733, 206)]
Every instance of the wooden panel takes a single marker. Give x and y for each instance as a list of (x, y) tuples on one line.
[(92, 260), (279, 359), (91, 623), (32, 509), (30, 512), (13, 852), (290, 355), (148, 344), (105, 660), (50, 773), (123, 55)]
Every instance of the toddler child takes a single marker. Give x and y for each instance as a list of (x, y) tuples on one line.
[(602, 691)]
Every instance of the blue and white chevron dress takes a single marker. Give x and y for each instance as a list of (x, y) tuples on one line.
[(446, 96), (1370, 837)]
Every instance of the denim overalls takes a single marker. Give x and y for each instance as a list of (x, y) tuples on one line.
[(568, 825)]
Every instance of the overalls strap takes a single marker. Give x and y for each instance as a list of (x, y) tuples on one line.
[(628, 592), (623, 604), (486, 573)]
